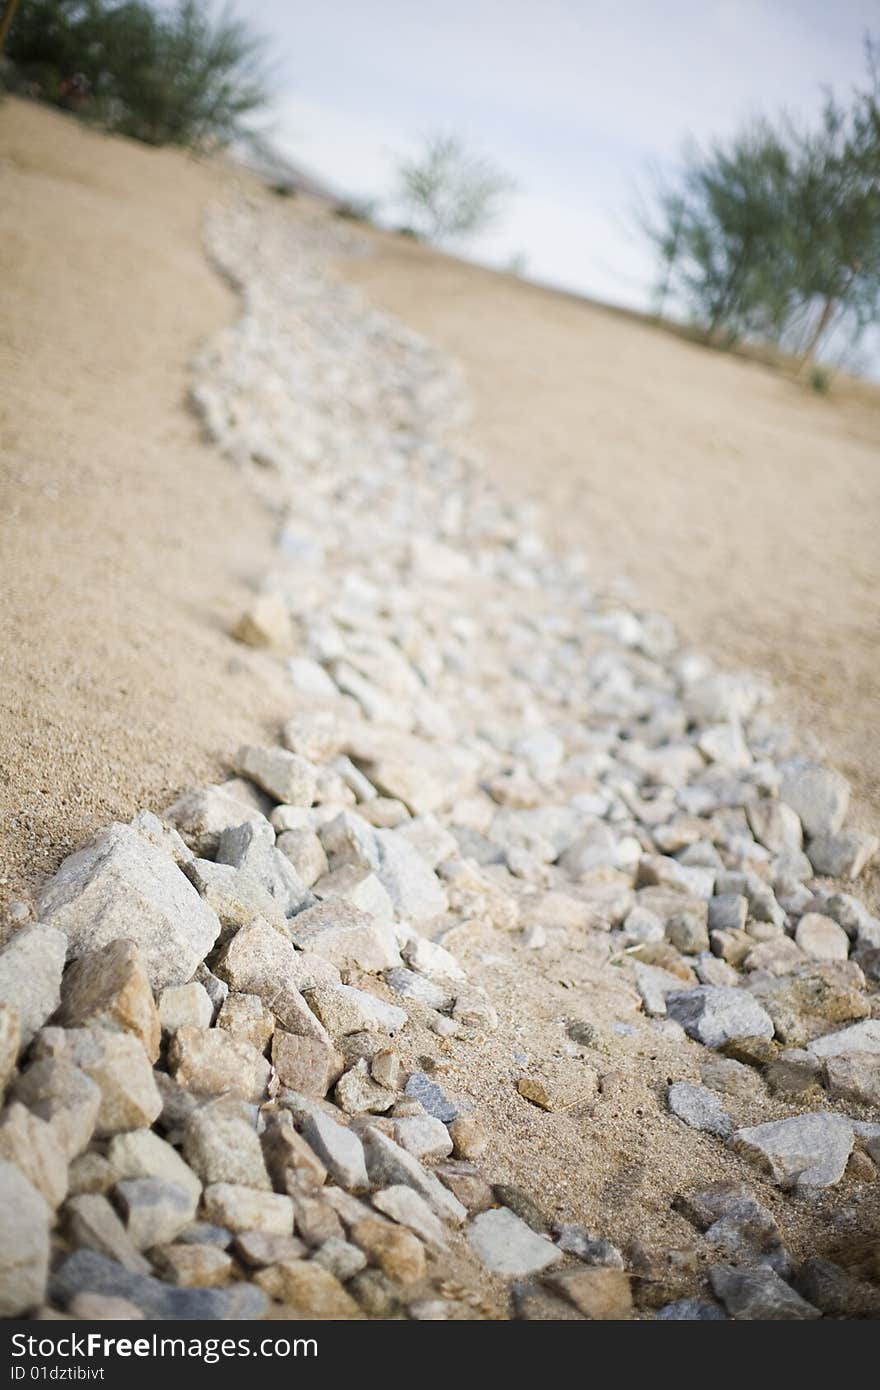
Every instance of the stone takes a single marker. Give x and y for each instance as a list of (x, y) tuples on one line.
[(143, 1154), (285, 776), (654, 984), (117, 1063), (758, 1295), (349, 938), (804, 1003), (340, 1150), (854, 1076), (821, 938), (431, 1097), (423, 1136), (86, 1271), (572, 1239), (221, 1145), (65, 1097), (308, 1291), (599, 1294), (155, 1210), (690, 1310), (10, 1042), (522, 1205), (193, 1266), (818, 795), (688, 931), (96, 1307), (32, 1144), (398, 1252), (342, 1259), (259, 960), (345, 1009), (123, 886), (109, 988), (265, 623), (235, 896), (316, 1221), (727, 912), (410, 882), (257, 1249), (24, 1243), (92, 1224), (775, 825), (203, 813), (469, 1139), (248, 1019), (390, 1165), (361, 888), (210, 1062), (860, 1037), (249, 850), (793, 1072), (241, 1208), (357, 1093), (385, 1068), (844, 855), (715, 1014), (735, 1222), (700, 1109), (31, 964), (305, 1064), (805, 1151), (420, 989), (407, 1208), (185, 1006), (293, 1165), (507, 1246), (306, 853), (832, 1290)]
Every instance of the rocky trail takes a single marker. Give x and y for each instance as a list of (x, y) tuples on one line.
[(524, 975)]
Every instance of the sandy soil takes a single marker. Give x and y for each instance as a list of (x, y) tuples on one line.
[(733, 500), (127, 543)]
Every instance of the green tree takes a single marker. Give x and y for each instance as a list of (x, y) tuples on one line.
[(449, 192), (178, 76)]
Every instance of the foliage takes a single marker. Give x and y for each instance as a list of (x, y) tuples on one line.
[(449, 192), (176, 76), (776, 233)]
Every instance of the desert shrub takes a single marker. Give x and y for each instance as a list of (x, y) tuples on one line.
[(449, 192)]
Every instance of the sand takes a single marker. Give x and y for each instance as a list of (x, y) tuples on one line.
[(127, 543)]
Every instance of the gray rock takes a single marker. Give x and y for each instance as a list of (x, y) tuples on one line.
[(844, 855), (347, 937), (715, 1015), (87, 1271), (285, 776), (804, 1151), (155, 1210), (859, 1037), (507, 1246), (390, 1165), (690, 1310), (728, 912), (31, 964), (423, 1136), (410, 882), (405, 1206), (250, 849), (202, 814), (345, 1009), (221, 1145), (411, 985), (700, 1109), (123, 886), (758, 1295), (339, 1149), (432, 1097), (575, 1240), (818, 795)]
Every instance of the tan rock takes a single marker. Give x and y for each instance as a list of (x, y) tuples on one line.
[(265, 623), (600, 1294), (33, 1145), (308, 1290), (118, 1065), (247, 1018), (257, 1249), (246, 1209), (92, 1224), (293, 1164), (398, 1252), (193, 1266), (10, 1042), (210, 1062), (308, 1065), (109, 988)]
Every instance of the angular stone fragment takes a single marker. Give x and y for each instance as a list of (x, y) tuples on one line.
[(64, 1096), (185, 1006), (118, 1065), (854, 1076), (345, 936), (109, 988), (32, 1144), (256, 1249), (340, 1150), (236, 897), (265, 623), (308, 1291), (10, 1042), (599, 1294), (700, 1109), (844, 855), (123, 886), (31, 964), (423, 1136), (202, 814), (92, 1224), (411, 883), (259, 960), (348, 1010), (358, 1093), (758, 1295), (210, 1062), (804, 1151), (388, 1164), (292, 1163), (861, 1037), (715, 1014), (24, 1243), (507, 1246), (155, 1210), (143, 1154), (818, 795), (285, 776), (193, 1266), (407, 1208), (305, 852), (821, 938), (221, 1145), (247, 1209), (247, 1018), (399, 1253), (775, 825)]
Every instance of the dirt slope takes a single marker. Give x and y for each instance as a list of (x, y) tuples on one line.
[(126, 542)]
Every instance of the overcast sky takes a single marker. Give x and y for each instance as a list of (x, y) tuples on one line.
[(576, 99)]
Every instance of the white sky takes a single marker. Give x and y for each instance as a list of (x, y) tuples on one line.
[(576, 99)]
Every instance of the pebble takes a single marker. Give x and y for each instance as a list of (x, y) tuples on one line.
[(24, 1243), (601, 1294), (715, 1014), (751, 1295), (117, 1064), (31, 965), (700, 1109), (431, 1097), (109, 988), (86, 1271), (340, 1150), (507, 1246), (805, 1151), (821, 938)]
